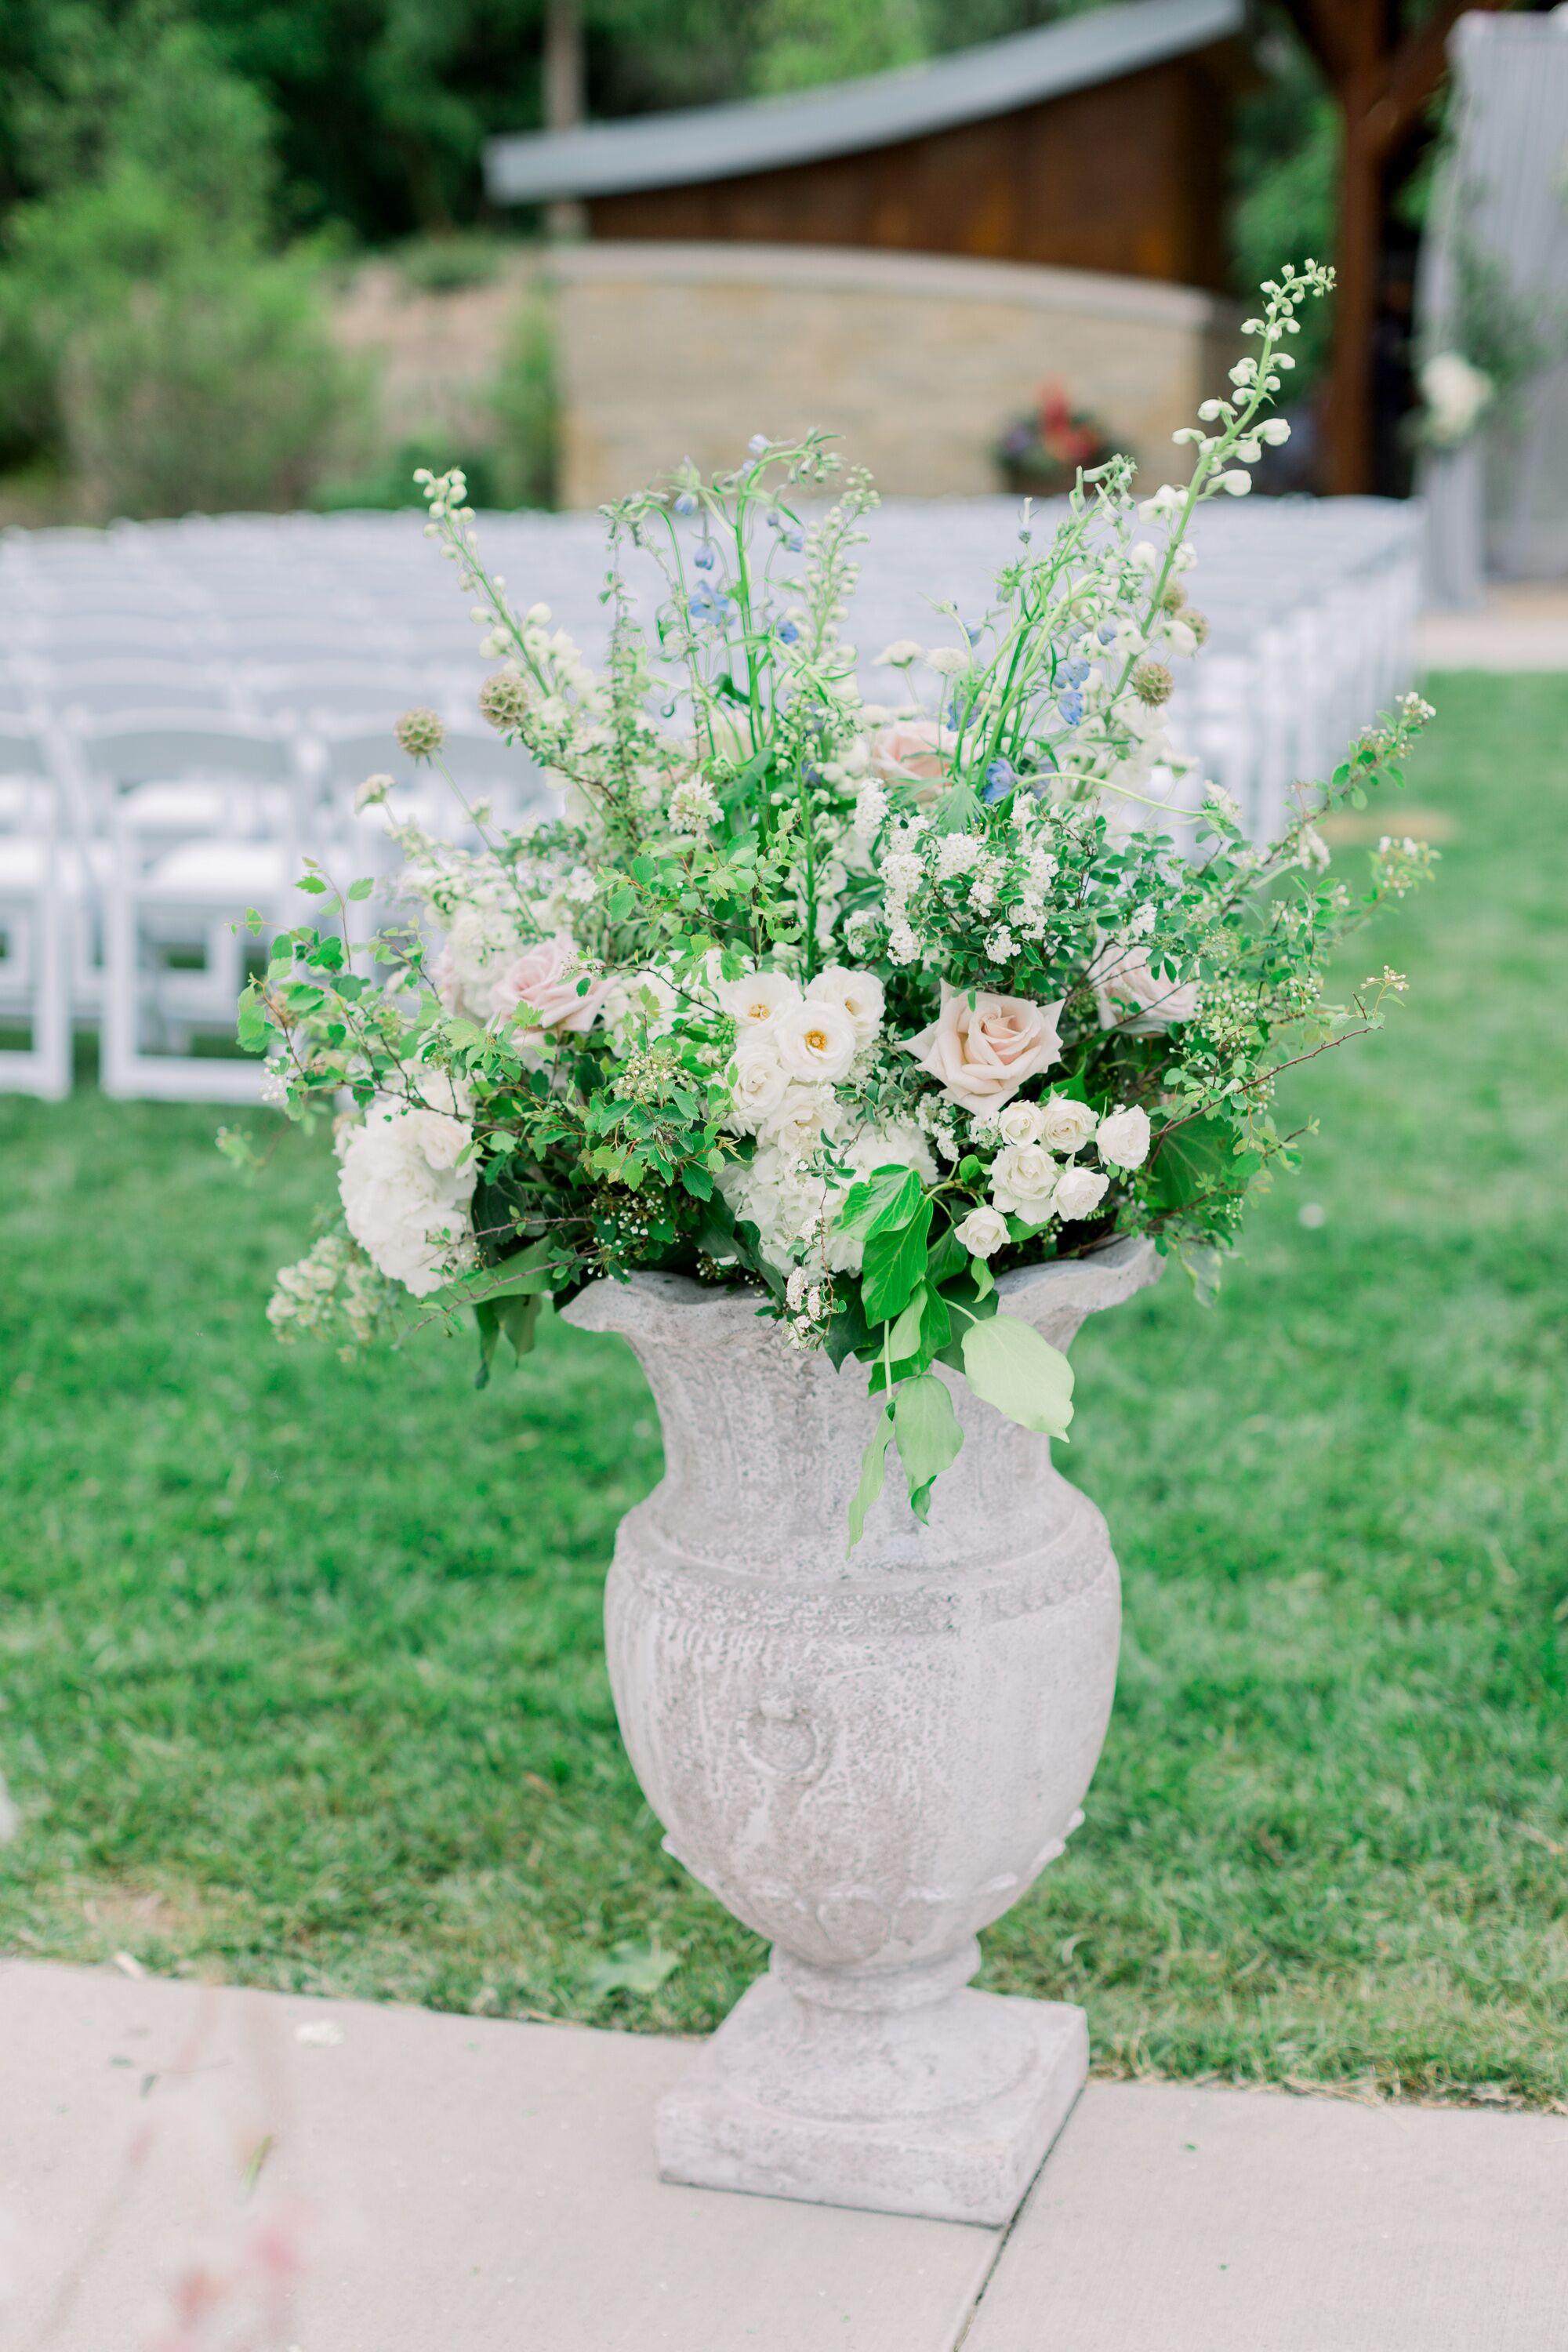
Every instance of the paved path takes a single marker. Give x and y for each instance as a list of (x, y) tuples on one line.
[(1523, 624), (455, 2184)]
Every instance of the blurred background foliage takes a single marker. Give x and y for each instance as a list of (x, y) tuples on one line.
[(185, 185)]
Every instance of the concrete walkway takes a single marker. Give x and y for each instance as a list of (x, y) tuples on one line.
[(1523, 624), (336, 2177)]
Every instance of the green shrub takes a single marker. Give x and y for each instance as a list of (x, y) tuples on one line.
[(525, 404), (449, 265), (212, 386)]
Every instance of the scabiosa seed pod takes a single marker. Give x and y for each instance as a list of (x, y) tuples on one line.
[(1153, 683), (421, 733), (1174, 596), (504, 700), (1198, 622)]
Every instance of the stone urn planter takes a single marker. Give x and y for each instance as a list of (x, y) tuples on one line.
[(867, 1759)]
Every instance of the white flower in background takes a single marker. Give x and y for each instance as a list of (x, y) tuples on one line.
[(1021, 1122), (805, 1117), (870, 808), (950, 661), (1023, 1178), (1122, 1141), (983, 1231), (1067, 1125), (1456, 397), (956, 853), (1134, 998), (406, 1200), (817, 1039), (913, 751), (482, 937), (757, 1084), (371, 792), (899, 653), (860, 993), (693, 806), (759, 998), (1078, 1192)]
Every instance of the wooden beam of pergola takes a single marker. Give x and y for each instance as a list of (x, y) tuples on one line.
[(1380, 77)]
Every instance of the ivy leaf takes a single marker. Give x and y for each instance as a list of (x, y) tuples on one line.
[(904, 1339), (873, 1469), (895, 1264), (1006, 1363), (929, 1436), (946, 1258), (888, 1197)]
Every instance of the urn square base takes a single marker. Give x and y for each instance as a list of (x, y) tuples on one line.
[(889, 2127)]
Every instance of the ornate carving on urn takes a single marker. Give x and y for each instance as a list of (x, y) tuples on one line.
[(867, 1759)]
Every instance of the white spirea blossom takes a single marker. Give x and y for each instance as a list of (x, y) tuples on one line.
[(406, 1200)]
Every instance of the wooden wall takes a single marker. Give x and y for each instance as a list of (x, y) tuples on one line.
[(1127, 177)]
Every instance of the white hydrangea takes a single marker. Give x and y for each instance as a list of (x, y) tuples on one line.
[(482, 938), (406, 1199)]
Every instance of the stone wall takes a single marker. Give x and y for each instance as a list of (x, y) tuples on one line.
[(666, 350)]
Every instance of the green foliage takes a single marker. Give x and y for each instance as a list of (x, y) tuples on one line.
[(1012, 1367), (146, 330), (525, 406)]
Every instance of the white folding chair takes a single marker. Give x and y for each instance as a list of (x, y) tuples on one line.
[(33, 991), (204, 824)]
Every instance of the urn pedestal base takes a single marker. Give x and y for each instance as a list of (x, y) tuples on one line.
[(901, 2091)]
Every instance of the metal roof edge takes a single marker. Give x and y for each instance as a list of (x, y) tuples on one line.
[(692, 144)]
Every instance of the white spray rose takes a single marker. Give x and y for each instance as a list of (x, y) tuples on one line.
[(1022, 1122), (1023, 1178), (757, 1084), (1067, 1124), (817, 1039), (858, 993), (760, 997), (1078, 1192), (1123, 1138), (983, 1231)]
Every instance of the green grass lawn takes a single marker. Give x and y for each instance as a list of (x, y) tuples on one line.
[(302, 1680)]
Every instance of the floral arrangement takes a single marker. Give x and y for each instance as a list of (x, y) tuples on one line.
[(1043, 453), (857, 1005), (1456, 398)]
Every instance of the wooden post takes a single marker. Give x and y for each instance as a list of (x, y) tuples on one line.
[(1380, 80), (564, 102)]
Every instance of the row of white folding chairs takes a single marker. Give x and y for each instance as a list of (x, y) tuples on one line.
[(128, 866)]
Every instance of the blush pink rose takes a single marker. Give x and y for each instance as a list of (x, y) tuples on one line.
[(912, 752), (548, 977), (1134, 998), (983, 1052)]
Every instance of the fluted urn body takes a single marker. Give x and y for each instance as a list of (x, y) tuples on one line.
[(867, 1756)]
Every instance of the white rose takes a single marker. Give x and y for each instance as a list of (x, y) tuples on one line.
[(1078, 1192), (757, 1084), (760, 997), (983, 1231), (1022, 1122), (858, 993), (817, 1040), (1067, 1124), (1023, 1178), (1123, 1138)]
